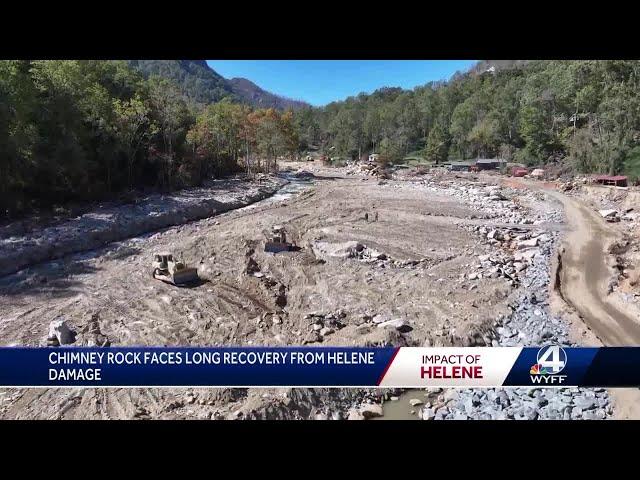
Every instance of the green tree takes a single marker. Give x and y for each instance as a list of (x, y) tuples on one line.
[(437, 148), (133, 127)]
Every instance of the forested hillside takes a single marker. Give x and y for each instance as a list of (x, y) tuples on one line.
[(194, 78), (80, 130), (202, 84), (580, 115), (256, 96)]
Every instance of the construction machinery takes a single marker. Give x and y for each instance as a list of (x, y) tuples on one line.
[(277, 240), (171, 271)]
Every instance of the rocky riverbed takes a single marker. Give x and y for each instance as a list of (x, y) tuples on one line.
[(19, 249)]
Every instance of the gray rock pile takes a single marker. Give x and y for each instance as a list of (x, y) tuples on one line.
[(529, 324), (519, 404), (363, 253), (492, 201), (321, 325), (518, 249)]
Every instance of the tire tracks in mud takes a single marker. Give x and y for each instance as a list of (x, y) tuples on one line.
[(582, 274), (580, 281)]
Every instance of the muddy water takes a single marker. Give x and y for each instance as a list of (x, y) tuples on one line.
[(401, 409)]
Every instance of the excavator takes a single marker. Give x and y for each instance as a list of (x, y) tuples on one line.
[(171, 271)]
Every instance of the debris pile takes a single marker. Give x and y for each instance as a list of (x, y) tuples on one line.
[(361, 252), (370, 169), (492, 201), (322, 325), (569, 186)]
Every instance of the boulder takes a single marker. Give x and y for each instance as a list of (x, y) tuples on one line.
[(371, 410), (450, 395), (398, 324), (428, 414), (355, 414), (341, 250), (494, 235), (523, 244), (608, 214), (526, 255), (584, 403), (59, 331)]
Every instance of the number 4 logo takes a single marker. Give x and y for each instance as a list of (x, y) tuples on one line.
[(552, 359)]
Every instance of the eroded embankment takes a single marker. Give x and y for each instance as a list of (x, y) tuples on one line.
[(102, 226)]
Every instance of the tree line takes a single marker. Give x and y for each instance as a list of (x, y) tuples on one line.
[(85, 130), (580, 116)]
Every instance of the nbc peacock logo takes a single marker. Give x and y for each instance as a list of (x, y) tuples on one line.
[(537, 369)]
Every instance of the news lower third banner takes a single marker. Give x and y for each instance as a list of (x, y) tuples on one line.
[(403, 367)]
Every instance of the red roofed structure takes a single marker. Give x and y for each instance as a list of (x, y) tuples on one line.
[(615, 180)]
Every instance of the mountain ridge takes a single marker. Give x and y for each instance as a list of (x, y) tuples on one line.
[(202, 84)]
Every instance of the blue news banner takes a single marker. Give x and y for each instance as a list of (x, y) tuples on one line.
[(550, 366)]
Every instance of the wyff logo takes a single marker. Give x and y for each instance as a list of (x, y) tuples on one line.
[(551, 361)]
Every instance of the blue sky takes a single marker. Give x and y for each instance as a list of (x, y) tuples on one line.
[(319, 82)]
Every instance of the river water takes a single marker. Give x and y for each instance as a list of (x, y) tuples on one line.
[(296, 185)]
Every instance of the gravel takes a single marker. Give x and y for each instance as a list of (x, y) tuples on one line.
[(528, 324)]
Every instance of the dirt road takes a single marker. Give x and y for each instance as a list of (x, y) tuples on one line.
[(585, 273)]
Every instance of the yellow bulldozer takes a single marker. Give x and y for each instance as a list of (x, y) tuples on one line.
[(277, 240), (171, 271)]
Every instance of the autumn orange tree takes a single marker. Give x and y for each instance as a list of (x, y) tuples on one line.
[(217, 137), (275, 136), (227, 132)]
